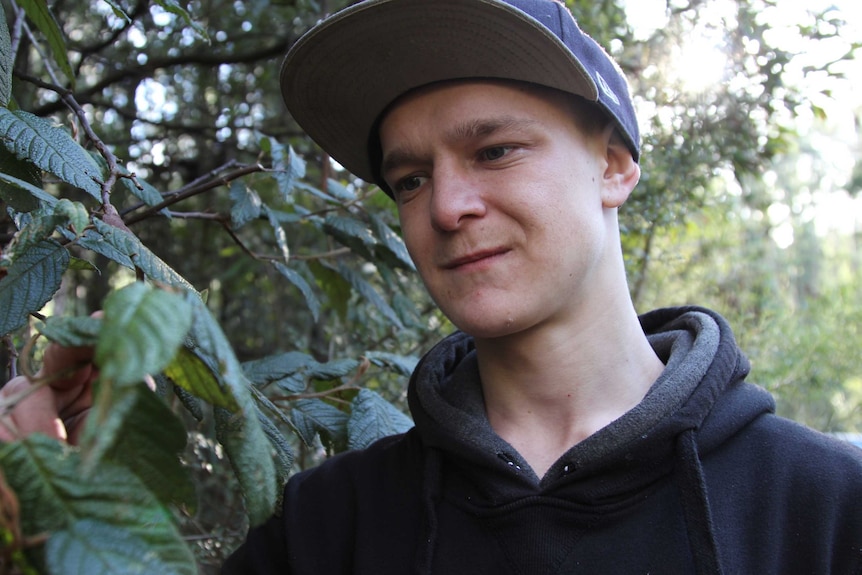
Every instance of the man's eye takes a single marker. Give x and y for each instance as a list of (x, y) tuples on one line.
[(494, 153), (409, 184)]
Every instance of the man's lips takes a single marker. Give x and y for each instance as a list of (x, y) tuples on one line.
[(474, 257)]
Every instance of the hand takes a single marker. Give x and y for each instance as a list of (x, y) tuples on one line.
[(57, 407)]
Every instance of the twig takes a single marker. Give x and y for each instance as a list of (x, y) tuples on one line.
[(199, 189)]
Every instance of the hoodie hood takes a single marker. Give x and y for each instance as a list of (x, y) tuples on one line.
[(699, 401), (701, 389)]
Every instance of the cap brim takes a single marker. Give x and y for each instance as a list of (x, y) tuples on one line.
[(338, 79)]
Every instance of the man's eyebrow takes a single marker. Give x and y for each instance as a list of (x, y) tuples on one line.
[(480, 128), (466, 131)]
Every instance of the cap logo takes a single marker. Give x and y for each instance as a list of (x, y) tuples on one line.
[(607, 89)]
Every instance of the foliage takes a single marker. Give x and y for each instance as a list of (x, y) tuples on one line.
[(121, 499), (148, 170)]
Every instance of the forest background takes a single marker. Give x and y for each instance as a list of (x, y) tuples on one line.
[(149, 169)]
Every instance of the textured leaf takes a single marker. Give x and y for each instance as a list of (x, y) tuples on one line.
[(352, 233), (54, 497), (286, 369), (71, 331), (192, 374), (288, 167), (284, 455), (126, 245), (173, 7), (88, 546), (240, 432), (96, 242), (142, 330), (293, 277), (280, 235), (403, 364), (146, 193), (251, 457), (313, 416), (245, 204), (65, 214), (148, 439), (391, 241), (367, 291), (74, 216), (38, 13), (50, 148), (15, 181), (189, 401), (334, 285), (333, 369), (118, 10), (6, 61), (30, 282), (341, 192), (372, 418)]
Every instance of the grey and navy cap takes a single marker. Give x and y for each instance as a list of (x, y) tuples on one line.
[(339, 78)]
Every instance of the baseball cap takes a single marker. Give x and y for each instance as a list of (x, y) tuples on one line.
[(340, 76)]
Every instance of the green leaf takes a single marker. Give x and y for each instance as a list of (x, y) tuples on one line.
[(119, 11), (251, 458), (6, 60), (30, 282), (284, 455), (191, 373), (335, 188), (14, 182), (148, 439), (240, 431), (37, 11), (50, 148), (293, 277), (372, 418), (392, 242), (287, 370), (402, 364), (280, 235), (126, 247), (142, 329), (313, 416), (94, 241), (146, 192), (54, 497), (367, 291), (333, 369), (174, 8), (89, 546), (288, 168), (245, 204), (334, 285), (71, 331), (73, 215), (352, 233)]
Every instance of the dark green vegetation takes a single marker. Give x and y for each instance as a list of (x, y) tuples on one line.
[(148, 169)]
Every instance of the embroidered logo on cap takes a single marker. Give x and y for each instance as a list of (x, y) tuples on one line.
[(607, 89)]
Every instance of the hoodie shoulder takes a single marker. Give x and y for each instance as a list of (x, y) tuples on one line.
[(333, 514)]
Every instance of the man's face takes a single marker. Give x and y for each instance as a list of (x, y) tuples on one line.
[(500, 197)]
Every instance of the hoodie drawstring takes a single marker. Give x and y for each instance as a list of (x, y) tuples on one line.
[(695, 505)]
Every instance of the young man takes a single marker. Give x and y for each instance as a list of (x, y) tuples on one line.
[(556, 432)]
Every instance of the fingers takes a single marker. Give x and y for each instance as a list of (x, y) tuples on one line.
[(71, 365), (29, 409)]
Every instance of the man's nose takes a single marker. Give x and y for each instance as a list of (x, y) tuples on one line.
[(457, 196)]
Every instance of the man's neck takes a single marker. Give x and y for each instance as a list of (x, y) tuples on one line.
[(549, 389)]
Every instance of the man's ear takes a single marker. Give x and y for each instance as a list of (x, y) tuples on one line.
[(622, 172)]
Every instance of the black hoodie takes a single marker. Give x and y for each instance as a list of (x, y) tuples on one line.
[(701, 477)]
